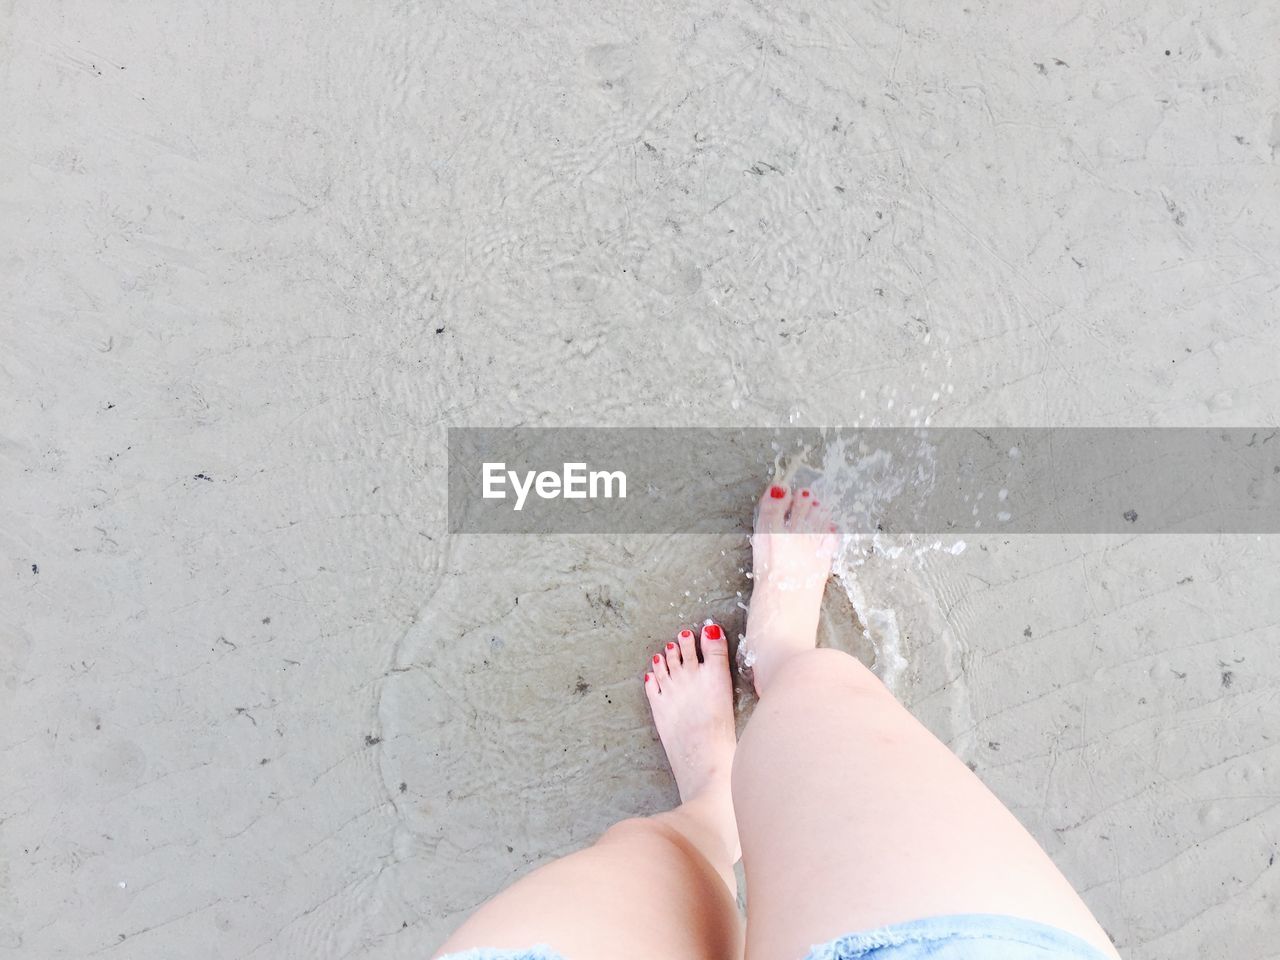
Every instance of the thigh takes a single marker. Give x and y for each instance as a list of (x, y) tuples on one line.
[(641, 891), (853, 816)]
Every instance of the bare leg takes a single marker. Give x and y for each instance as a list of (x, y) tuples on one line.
[(852, 815), (660, 886)]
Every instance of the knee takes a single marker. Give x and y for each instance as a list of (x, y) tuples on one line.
[(656, 845), (821, 669), (641, 832)]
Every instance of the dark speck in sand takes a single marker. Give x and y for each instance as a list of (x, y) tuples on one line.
[(371, 741), (264, 761), (266, 619), (1027, 632), (581, 686), (1131, 516), (202, 476), (35, 568), (1228, 678), (439, 329), (971, 765), (403, 786), (993, 744)]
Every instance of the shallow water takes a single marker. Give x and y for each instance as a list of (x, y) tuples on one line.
[(259, 703)]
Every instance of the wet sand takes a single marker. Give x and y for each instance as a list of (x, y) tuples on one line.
[(258, 703)]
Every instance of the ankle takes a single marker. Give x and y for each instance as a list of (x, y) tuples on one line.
[(769, 653)]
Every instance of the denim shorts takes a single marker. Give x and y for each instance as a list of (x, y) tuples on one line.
[(966, 937)]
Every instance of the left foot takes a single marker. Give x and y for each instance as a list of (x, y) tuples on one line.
[(692, 705)]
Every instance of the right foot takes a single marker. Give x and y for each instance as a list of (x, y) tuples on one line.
[(792, 548)]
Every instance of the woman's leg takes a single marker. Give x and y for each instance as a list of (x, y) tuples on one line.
[(852, 815), (659, 886)]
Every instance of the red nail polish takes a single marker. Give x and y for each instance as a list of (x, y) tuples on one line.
[(804, 493), (648, 677), (777, 493), (686, 634), (815, 503), (712, 632), (671, 646), (656, 658)]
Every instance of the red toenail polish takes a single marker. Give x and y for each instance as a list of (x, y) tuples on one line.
[(648, 677), (777, 493), (656, 658), (686, 634), (815, 503), (804, 493), (671, 646), (712, 632)]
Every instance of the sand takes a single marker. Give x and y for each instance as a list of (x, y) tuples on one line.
[(258, 703)]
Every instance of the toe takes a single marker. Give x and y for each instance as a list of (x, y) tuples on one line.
[(688, 650), (801, 509), (658, 667), (819, 519), (651, 687), (673, 656), (714, 642), (772, 512)]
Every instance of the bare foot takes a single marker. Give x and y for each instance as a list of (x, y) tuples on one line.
[(791, 548), (692, 705)]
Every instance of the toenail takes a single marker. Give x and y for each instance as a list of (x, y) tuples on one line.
[(712, 632), (656, 658), (648, 677), (804, 493), (686, 634), (777, 493), (671, 646), (815, 503)]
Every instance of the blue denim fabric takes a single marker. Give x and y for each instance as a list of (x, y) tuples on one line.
[(487, 953), (967, 937)]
